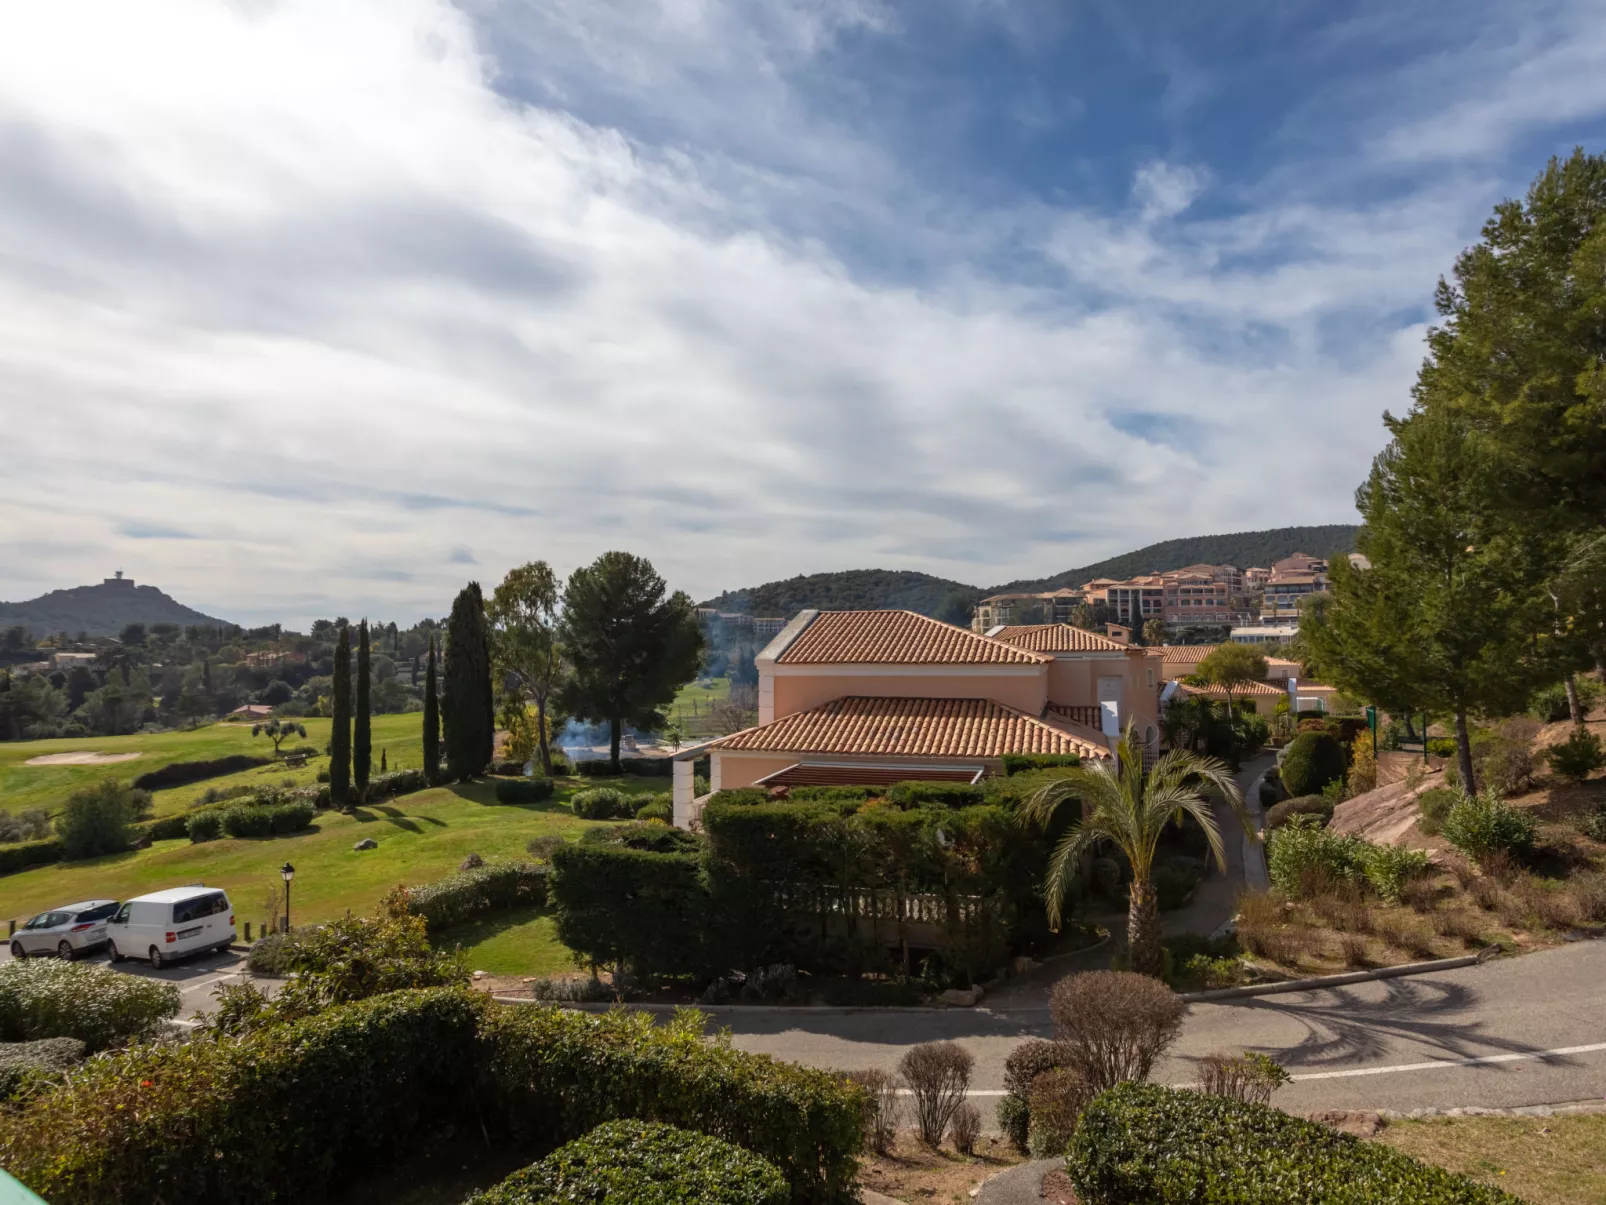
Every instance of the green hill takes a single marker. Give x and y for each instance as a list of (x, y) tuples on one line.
[(102, 610), (849, 590)]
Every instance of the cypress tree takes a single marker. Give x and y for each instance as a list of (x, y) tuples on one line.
[(362, 743), (340, 733), (432, 721), (467, 713)]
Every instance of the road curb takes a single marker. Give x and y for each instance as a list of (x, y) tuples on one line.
[(1324, 981)]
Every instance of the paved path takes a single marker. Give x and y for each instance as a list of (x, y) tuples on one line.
[(1520, 1031)]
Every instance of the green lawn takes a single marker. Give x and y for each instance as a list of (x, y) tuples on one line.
[(23, 786), (690, 708)]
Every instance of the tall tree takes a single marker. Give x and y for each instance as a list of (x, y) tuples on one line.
[(432, 720), (340, 728), (631, 645), (523, 614), (362, 744), (1232, 667), (467, 711)]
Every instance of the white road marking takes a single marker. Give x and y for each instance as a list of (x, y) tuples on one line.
[(1436, 1064), (206, 983)]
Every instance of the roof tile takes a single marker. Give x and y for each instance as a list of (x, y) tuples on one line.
[(896, 638), (1059, 638)]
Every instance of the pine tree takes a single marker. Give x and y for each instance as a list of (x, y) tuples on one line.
[(384, 763), (432, 721), (340, 731), (467, 712), (362, 744)]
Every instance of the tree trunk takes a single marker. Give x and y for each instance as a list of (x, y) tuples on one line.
[(540, 732), (613, 742), (1410, 728), (1463, 751), (1143, 928), (1574, 709)]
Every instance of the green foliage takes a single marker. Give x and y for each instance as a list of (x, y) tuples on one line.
[(602, 803), (621, 906), (30, 824), (1389, 868), (29, 1068), (1434, 805), (656, 810), (1164, 1146), (1305, 805), (645, 1163), (1578, 756), (1313, 760), (206, 825), (397, 782), (270, 955), (1550, 702), (494, 887), (1014, 1120), (362, 741), (182, 773), (340, 725), (820, 795), (431, 739), (523, 790), (30, 853), (1484, 825), (523, 615), (1441, 746), (1021, 763), (44, 998), (1303, 858), (467, 711), (850, 590), (741, 797), (935, 794), (97, 819)]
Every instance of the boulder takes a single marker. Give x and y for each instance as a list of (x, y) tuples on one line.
[(472, 862), (366, 843), (962, 997)]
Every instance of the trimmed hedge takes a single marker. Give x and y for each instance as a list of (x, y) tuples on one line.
[(935, 794), (742, 797), (44, 998), (1020, 763), (1164, 1146), (523, 790), (603, 803), (495, 887), (182, 773), (204, 826), (645, 767), (1306, 805), (1313, 760), (24, 854), (644, 1163), (656, 810), (397, 782), (621, 905)]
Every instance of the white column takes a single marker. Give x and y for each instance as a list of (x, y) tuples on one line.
[(713, 771), (683, 791)]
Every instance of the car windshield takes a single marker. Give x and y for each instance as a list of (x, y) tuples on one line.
[(200, 906), (98, 912)]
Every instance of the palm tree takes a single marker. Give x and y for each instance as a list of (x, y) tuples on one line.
[(1121, 804)]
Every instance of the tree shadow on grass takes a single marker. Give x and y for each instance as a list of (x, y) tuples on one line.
[(389, 814)]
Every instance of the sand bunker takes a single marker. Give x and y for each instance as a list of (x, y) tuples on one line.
[(87, 757)]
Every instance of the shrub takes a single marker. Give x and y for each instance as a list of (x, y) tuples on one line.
[(643, 1162), (1592, 826), (1389, 868), (1550, 703), (30, 853), (1502, 756), (291, 817), (507, 768), (42, 998), (270, 955), (1028, 1060), (1304, 859), (1434, 807), (1251, 1077), (1056, 1100), (601, 803), (1114, 1024), (540, 848), (397, 782), (1162, 1146), (881, 1118), (834, 794), (1313, 760), (524, 790), (31, 824), (935, 794), (599, 767), (661, 812), (28, 1068), (243, 820), (182, 773), (938, 1075), (1172, 886), (1578, 756), (1014, 1121), (1484, 825), (1305, 805), (742, 796), (1106, 874), (204, 826), (492, 887), (1352, 948), (97, 819), (1442, 746), (965, 1128), (1589, 893), (1269, 795), (620, 905), (1020, 763)]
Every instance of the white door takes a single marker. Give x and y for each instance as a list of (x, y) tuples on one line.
[(1110, 705)]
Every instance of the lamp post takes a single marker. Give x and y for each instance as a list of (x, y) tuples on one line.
[(289, 873)]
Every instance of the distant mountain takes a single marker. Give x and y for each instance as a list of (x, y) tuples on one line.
[(102, 610), (1242, 548), (850, 590), (871, 589)]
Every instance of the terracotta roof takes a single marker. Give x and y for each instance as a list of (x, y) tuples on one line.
[(816, 774), (1187, 654), (1247, 688), (1058, 638), (856, 725), (896, 638)]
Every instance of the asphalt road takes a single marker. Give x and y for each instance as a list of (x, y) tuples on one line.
[(1521, 1031), (198, 978)]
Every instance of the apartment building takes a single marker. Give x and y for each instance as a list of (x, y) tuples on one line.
[(1048, 606)]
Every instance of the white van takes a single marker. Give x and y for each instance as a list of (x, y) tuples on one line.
[(166, 925)]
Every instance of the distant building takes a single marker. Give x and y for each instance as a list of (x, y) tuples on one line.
[(1292, 579), (1003, 610), (768, 625), (119, 581), (1265, 633), (70, 661)]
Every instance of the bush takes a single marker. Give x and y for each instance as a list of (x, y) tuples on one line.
[(938, 1075), (1442, 746), (495, 887), (182, 773), (31, 824), (524, 790), (30, 853), (601, 803), (1251, 1077), (1163, 1146), (1389, 868), (510, 769), (97, 819), (244, 820), (1550, 703), (270, 955), (620, 905), (1483, 826), (1305, 805), (965, 1128), (291, 817), (28, 1068), (204, 826), (1058, 1097), (645, 1163), (1020, 763), (1313, 760), (742, 797), (656, 811), (1578, 756), (1434, 807), (1027, 1061), (935, 794), (834, 794), (397, 782), (881, 1118), (168, 828), (1172, 886), (44, 998), (1304, 859), (1015, 1120), (597, 768), (1269, 795), (1114, 1024)]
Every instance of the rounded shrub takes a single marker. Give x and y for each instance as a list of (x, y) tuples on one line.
[(1433, 808), (43, 998), (656, 811), (1484, 825), (245, 821), (1304, 858), (1313, 760), (601, 803), (523, 790), (1305, 805), (1113, 1025), (205, 826), (291, 817)]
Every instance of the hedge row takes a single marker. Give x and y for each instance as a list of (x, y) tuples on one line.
[(1164, 1146), (1021, 763), (644, 1162), (648, 767), (523, 790), (295, 1110), (45, 998), (182, 773), (621, 905), (27, 1068), (248, 820), (24, 854), (495, 887)]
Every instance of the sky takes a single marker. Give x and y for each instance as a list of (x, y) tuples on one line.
[(311, 309)]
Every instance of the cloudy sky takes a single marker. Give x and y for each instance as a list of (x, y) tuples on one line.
[(312, 307)]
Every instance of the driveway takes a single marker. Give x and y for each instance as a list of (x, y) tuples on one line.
[(198, 978)]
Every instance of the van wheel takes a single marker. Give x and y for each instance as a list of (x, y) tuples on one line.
[(65, 951), (113, 954), (156, 959), (17, 951)]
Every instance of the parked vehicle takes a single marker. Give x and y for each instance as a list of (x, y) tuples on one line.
[(66, 932), (164, 926)]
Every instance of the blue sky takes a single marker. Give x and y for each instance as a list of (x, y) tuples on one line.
[(311, 308)]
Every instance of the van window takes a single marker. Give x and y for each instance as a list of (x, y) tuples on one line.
[(199, 906), (122, 915)]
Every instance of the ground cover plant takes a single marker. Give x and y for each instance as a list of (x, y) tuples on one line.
[(46, 998)]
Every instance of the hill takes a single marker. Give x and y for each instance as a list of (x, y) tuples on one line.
[(102, 610), (870, 589), (849, 590)]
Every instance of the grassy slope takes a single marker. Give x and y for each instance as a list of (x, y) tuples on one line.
[(1547, 1160), (23, 786)]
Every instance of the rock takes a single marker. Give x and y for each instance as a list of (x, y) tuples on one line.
[(965, 997), (472, 862), (479, 974), (1024, 963), (143, 841), (366, 843)]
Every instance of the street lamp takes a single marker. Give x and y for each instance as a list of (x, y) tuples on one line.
[(289, 872)]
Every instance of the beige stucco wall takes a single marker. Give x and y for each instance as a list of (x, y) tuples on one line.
[(1073, 682), (744, 769), (1025, 689)]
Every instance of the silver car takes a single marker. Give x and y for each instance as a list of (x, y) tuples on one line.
[(66, 932)]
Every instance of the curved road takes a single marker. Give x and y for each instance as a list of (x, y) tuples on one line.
[(1520, 1031)]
